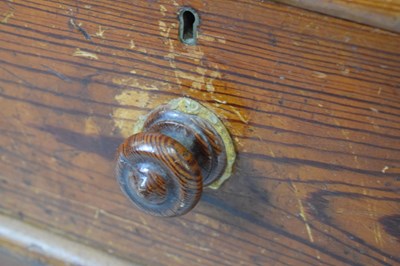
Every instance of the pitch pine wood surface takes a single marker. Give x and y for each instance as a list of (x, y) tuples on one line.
[(312, 103), (377, 13)]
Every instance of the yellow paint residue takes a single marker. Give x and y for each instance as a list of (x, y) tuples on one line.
[(194, 53), (124, 116), (197, 81), (200, 81), (163, 10), (304, 218), (319, 75), (132, 44), (376, 227), (133, 98), (133, 82), (100, 32), (174, 257), (212, 39), (384, 169), (201, 70), (209, 84), (7, 16), (164, 30), (91, 127), (123, 121), (244, 120), (207, 38), (79, 53), (200, 78)]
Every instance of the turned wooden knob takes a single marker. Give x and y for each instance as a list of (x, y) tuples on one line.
[(163, 168)]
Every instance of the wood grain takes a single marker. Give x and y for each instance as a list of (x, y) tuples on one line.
[(8, 258), (166, 177), (23, 243), (312, 103), (383, 14)]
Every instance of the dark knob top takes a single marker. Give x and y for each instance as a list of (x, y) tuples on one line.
[(163, 169), (159, 174)]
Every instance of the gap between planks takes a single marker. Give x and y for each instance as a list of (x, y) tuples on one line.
[(48, 244)]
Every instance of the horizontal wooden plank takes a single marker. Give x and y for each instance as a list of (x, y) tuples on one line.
[(24, 244), (8, 258), (311, 101), (383, 14)]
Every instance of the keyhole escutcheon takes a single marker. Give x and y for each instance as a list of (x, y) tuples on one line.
[(188, 23)]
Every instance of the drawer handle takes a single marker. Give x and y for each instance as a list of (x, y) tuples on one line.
[(176, 150)]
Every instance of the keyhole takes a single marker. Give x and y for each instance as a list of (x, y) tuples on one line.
[(189, 20)]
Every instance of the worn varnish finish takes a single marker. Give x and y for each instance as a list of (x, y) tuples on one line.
[(312, 103), (377, 13)]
